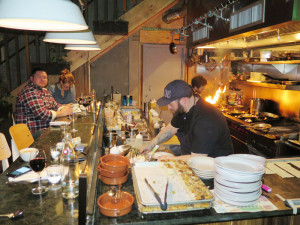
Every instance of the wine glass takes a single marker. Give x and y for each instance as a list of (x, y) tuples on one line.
[(73, 121), (37, 164), (54, 173)]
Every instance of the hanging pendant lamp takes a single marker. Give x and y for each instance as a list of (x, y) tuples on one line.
[(41, 15), (84, 37), (95, 47)]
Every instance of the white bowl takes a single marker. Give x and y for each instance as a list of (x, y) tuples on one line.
[(28, 153)]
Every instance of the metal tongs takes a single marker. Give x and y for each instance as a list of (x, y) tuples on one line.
[(164, 205)]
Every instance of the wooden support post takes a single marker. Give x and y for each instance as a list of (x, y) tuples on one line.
[(125, 6), (18, 65), (86, 11), (105, 10), (7, 66), (27, 52), (37, 49), (96, 14)]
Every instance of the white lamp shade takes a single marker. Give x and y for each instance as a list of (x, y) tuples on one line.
[(41, 15), (83, 47), (84, 37)]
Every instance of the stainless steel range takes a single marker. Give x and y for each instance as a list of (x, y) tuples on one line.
[(272, 144)]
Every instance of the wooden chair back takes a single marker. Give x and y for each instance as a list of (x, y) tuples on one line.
[(5, 152), (21, 135)]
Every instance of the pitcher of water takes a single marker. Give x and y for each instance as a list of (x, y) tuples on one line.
[(70, 179)]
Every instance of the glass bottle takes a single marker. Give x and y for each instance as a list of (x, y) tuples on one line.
[(70, 180)]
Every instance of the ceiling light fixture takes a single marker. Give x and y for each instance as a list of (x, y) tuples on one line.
[(41, 15), (84, 37), (95, 47)]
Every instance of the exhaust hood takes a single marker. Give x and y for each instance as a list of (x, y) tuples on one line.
[(250, 24)]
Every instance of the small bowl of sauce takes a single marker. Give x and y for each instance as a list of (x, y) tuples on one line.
[(108, 206)]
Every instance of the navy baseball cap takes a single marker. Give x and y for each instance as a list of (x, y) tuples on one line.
[(175, 90)]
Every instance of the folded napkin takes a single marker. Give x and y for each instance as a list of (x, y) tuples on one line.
[(58, 123), (30, 177)]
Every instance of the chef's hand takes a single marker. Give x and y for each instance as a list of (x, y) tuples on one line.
[(146, 148)]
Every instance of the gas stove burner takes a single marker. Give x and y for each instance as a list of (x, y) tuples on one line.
[(283, 130), (249, 118)]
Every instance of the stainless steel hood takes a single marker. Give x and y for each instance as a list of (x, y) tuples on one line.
[(251, 24)]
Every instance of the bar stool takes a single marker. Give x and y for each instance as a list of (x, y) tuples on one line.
[(5, 152), (21, 138)]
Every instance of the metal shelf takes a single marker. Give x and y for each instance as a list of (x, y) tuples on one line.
[(267, 85)]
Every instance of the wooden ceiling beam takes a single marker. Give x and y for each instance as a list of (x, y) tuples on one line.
[(137, 17)]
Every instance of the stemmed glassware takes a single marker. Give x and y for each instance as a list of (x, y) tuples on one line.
[(73, 121), (37, 164)]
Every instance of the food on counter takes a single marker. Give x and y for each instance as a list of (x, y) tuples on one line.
[(193, 182)]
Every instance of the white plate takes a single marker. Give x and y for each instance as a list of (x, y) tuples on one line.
[(58, 123), (237, 177), (202, 163), (238, 185), (239, 165), (251, 157), (238, 197), (158, 154), (236, 203), (239, 190)]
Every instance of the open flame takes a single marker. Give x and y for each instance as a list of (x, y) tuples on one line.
[(216, 97)]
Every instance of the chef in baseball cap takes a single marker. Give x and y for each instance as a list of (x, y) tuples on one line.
[(203, 127)]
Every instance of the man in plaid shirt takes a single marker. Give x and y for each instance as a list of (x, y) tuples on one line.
[(35, 105)]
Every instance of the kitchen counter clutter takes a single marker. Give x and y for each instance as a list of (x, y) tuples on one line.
[(51, 208), (270, 209)]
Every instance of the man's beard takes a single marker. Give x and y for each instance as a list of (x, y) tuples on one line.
[(180, 109)]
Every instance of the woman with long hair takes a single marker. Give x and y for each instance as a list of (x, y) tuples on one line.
[(64, 90)]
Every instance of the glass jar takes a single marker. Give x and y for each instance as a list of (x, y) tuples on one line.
[(70, 179)]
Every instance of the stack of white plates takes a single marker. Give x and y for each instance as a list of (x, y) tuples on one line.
[(238, 180), (251, 157), (202, 166)]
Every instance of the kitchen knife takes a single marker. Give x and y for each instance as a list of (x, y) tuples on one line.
[(162, 206)]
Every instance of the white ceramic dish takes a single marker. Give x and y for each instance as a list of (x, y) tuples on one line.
[(158, 154), (205, 164), (255, 158), (239, 165), (238, 190), (235, 177), (28, 153), (238, 185), (236, 203), (238, 197)]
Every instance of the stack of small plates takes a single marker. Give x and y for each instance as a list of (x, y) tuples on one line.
[(238, 180), (202, 166)]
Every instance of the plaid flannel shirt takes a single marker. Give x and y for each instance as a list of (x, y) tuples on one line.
[(34, 106)]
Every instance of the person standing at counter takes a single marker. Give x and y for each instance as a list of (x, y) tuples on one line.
[(35, 105), (198, 84), (204, 125), (64, 90)]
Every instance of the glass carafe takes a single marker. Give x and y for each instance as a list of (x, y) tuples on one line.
[(70, 179)]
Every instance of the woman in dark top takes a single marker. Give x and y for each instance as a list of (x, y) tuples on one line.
[(64, 90)]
